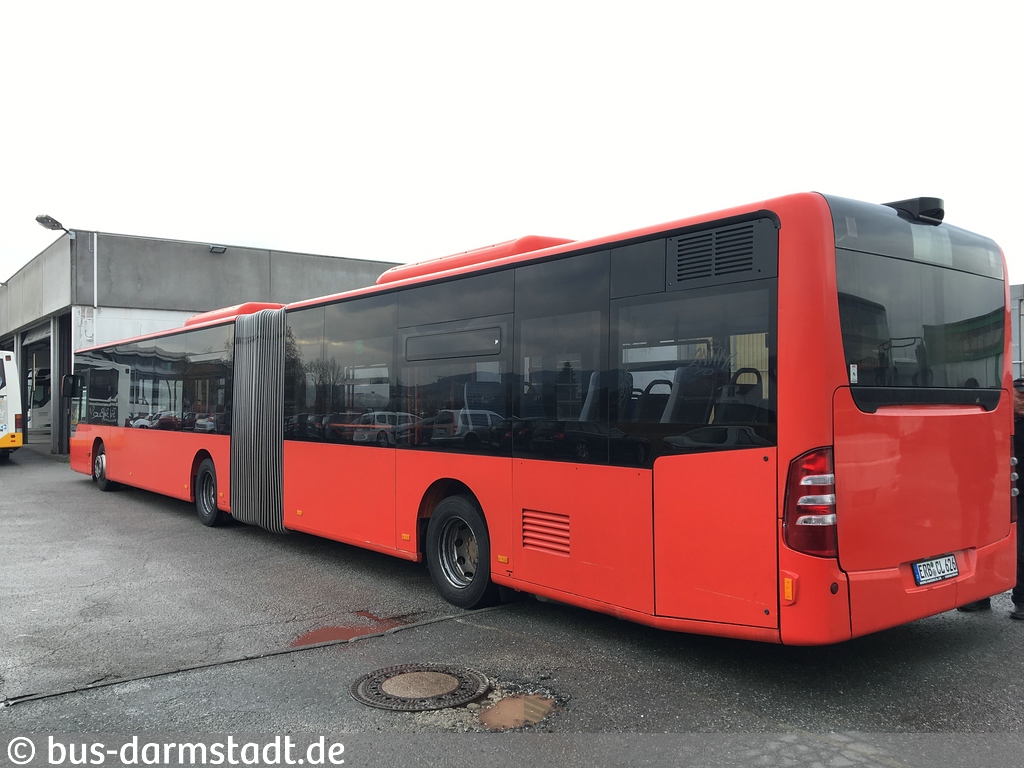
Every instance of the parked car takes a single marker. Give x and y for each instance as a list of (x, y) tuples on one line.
[(419, 432), (304, 426), (339, 427), (142, 421), (381, 427), (205, 422), (509, 434), (160, 420), (467, 428)]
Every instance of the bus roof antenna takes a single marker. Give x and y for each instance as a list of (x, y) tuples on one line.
[(929, 210)]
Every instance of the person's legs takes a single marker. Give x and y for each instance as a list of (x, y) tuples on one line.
[(1018, 590), (978, 605)]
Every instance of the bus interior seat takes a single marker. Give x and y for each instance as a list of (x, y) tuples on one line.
[(691, 397), (740, 402), (651, 406)]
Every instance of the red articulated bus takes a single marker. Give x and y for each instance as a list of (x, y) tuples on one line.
[(787, 422)]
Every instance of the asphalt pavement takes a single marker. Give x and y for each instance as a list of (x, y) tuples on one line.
[(124, 618)]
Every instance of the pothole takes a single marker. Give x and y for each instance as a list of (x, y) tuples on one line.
[(419, 687), (517, 711), (506, 706)]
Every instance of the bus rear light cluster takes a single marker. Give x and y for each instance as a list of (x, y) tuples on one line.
[(809, 523), (17, 422)]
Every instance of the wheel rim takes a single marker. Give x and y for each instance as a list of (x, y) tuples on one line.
[(382, 439), (99, 465), (458, 553), (208, 494), (582, 452)]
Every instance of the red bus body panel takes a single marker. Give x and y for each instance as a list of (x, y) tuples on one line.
[(713, 515), (913, 483), (357, 508), (585, 531), (487, 478), (162, 461)]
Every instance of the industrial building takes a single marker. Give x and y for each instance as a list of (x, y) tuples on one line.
[(91, 288)]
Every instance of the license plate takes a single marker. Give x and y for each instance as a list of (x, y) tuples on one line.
[(939, 569)]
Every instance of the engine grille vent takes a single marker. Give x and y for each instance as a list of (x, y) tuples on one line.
[(546, 532)]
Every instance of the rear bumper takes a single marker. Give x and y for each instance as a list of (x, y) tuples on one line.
[(889, 597)]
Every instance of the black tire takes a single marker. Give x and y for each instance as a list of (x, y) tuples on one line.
[(206, 495), (582, 451), (382, 440), (99, 469), (472, 442), (458, 553)]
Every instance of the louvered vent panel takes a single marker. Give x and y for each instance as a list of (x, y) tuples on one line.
[(695, 256), (546, 532), (714, 253), (734, 250)]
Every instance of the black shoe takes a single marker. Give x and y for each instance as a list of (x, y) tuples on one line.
[(984, 604), (1018, 611)]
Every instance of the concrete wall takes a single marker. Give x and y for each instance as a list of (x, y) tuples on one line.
[(40, 289), (150, 276), (141, 273)]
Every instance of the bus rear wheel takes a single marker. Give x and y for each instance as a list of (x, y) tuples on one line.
[(206, 495), (458, 553), (99, 469)]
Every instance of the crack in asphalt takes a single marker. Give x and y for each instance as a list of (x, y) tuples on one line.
[(12, 701)]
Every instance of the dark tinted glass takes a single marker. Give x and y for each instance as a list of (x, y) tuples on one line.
[(305, 393), (435, 346), (177, 382), (358, 370), (468, 297), (206, 395), (561, 399), (694, 371), (879, 229), (911, 324), (459, 401)]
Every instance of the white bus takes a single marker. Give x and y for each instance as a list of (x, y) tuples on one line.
[(39, 399), (10, 406)]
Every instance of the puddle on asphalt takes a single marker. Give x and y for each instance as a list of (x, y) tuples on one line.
[(517, 711), (371, 626)]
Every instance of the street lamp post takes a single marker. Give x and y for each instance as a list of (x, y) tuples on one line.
[(48, 222), (59, 438)]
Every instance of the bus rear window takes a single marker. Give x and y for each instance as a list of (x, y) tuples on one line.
[(921, 309), (914, 325)]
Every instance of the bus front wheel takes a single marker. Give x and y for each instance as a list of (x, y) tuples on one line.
[(99, 469), (458, 553), (206, 495)]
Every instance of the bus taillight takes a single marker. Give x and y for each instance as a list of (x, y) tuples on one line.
[(809, 525), (17, 422)]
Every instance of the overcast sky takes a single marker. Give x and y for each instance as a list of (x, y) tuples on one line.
[(410, 130)]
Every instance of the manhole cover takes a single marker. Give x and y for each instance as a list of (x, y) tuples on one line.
[(419, 687)]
